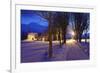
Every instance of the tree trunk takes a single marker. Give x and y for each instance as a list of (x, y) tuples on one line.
[(64, 36), (50, 35), (50, 44), (76, 37), (80, 37), (59, 35), (85, 40)]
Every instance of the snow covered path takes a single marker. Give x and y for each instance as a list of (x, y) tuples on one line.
[(75, 52), (37, 51)]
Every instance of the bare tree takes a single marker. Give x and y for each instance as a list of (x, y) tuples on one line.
[(80, 24), (48, 16), (61, 21)]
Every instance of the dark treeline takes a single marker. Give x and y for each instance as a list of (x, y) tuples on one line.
[(58, 22), (81, 24)]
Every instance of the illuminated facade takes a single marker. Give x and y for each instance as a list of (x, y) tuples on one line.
[(32, 36)]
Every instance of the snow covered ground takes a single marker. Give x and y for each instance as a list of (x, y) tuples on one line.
[(37, 51)]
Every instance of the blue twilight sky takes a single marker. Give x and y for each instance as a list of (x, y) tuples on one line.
[(36, 23)]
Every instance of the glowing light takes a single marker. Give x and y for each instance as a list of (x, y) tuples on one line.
[(83, 40), (71, 41), (55, 41), (72, 33), (31, 37), (43, 39)]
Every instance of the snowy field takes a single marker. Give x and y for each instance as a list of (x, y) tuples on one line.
[(37, 51)]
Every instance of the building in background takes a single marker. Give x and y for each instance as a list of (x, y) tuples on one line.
[(32, 36)]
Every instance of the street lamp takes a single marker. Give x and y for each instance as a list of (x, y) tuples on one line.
[(72, 33)]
